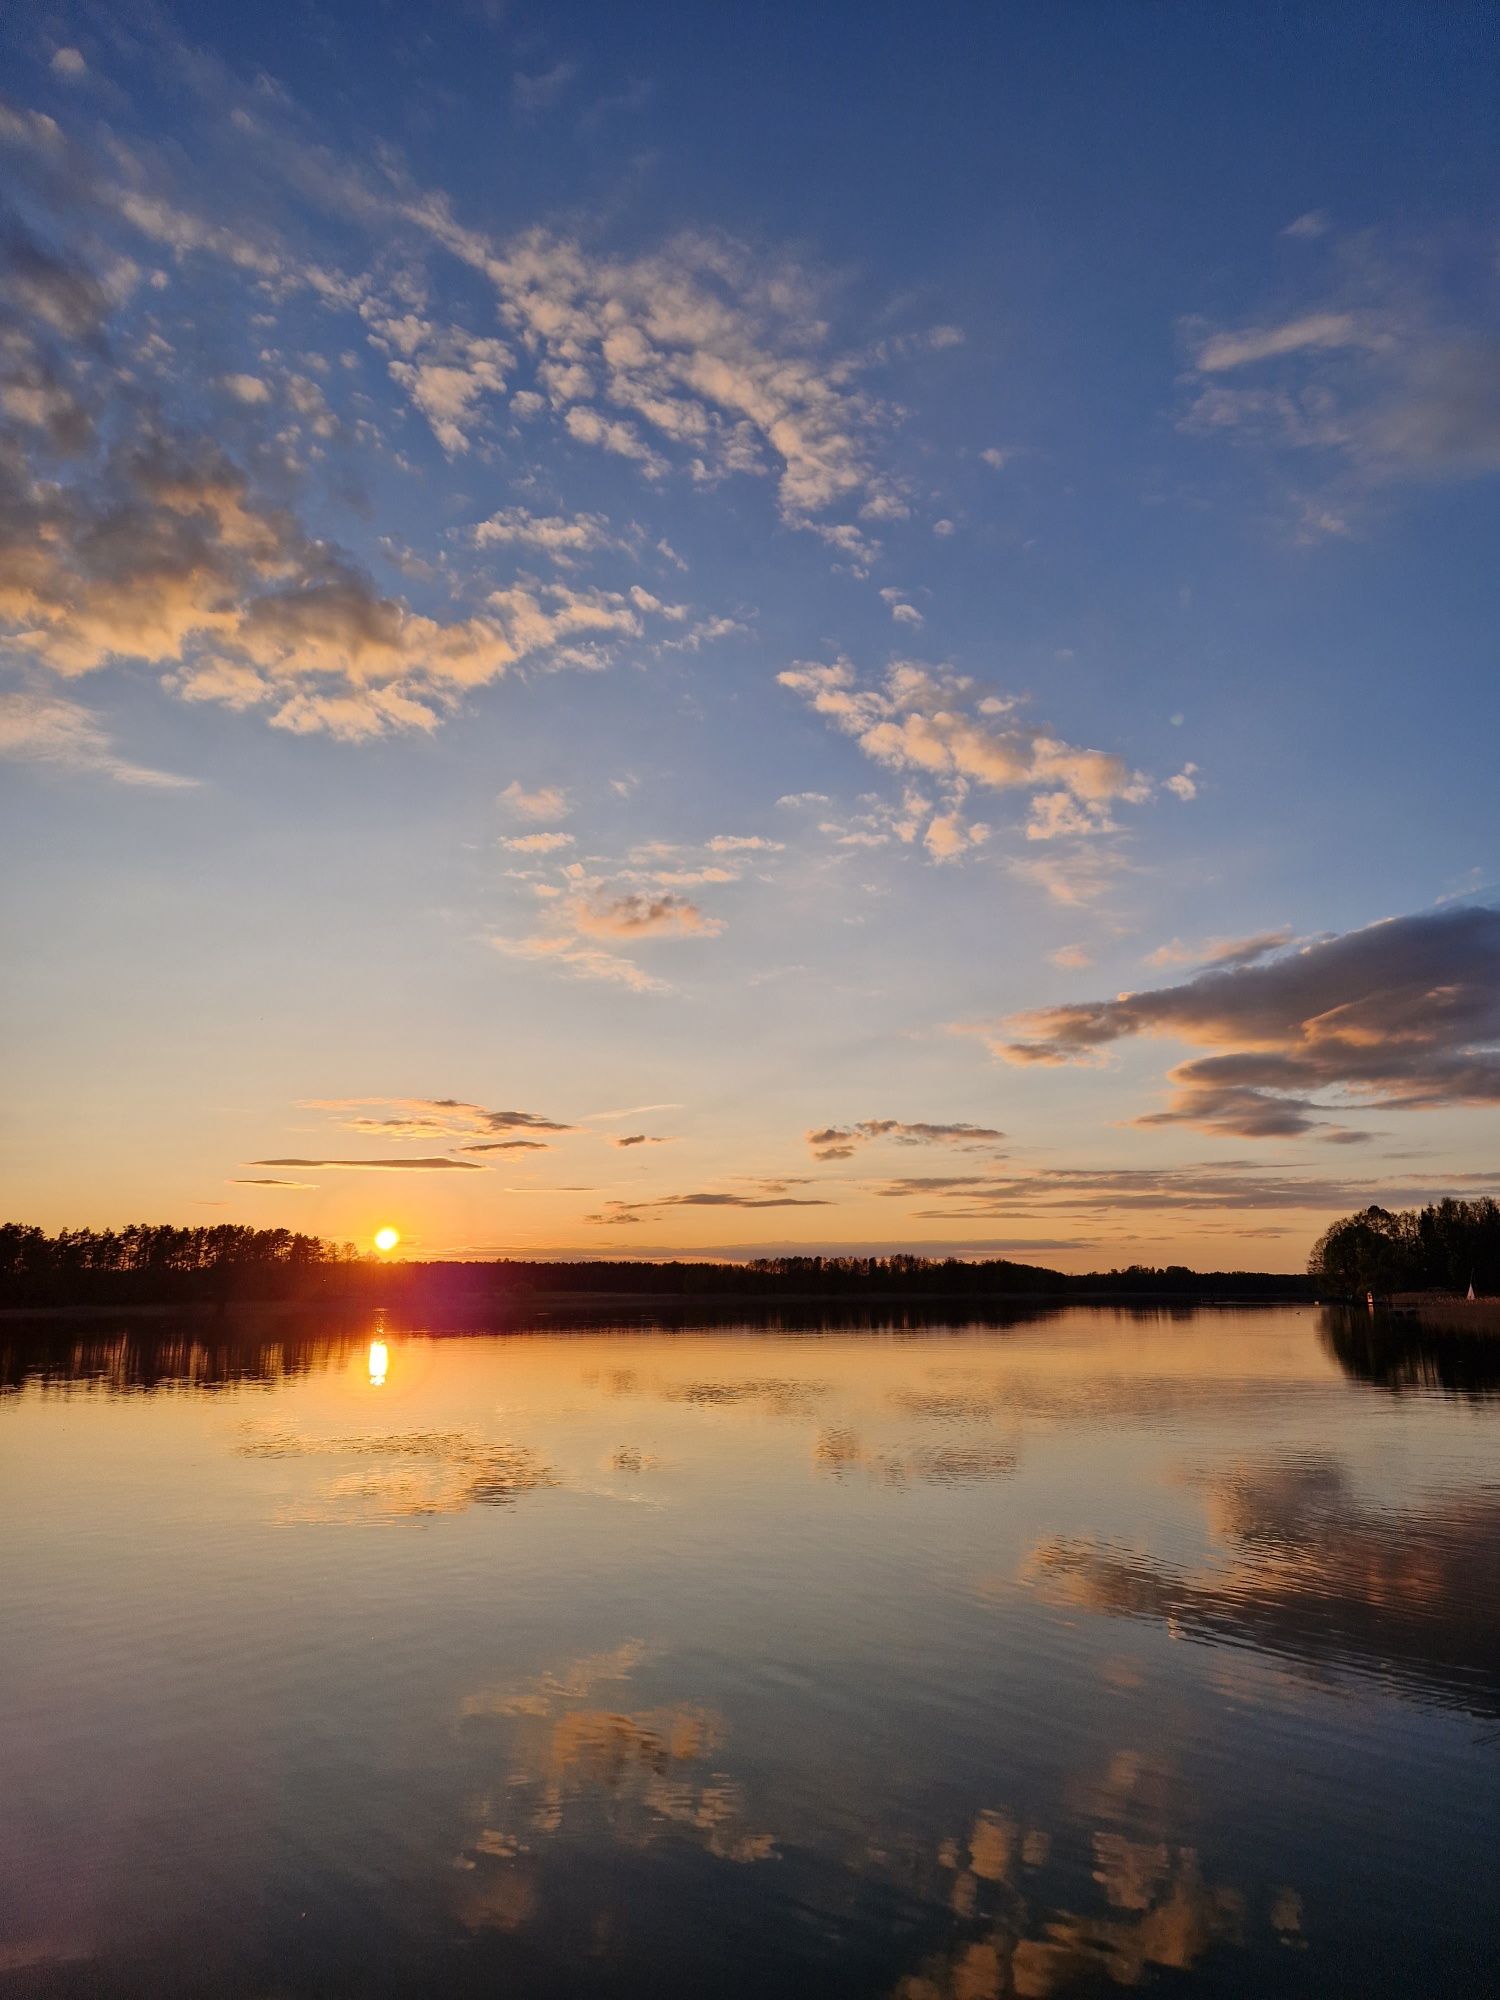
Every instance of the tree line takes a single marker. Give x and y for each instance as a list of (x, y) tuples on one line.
[(1444, 1247), (158, 1264)]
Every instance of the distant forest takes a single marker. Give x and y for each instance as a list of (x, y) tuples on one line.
[(156, 1264), (1444, 1247)]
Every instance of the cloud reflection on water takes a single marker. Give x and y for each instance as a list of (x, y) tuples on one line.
[(1312, 1576)]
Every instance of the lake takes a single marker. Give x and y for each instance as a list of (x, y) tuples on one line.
[(1103, 1649)]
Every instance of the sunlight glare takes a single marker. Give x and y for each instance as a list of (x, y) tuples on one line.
[(387, 1238), (379, 1363)]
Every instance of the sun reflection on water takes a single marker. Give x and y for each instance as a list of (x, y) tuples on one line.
[(379, 1363)]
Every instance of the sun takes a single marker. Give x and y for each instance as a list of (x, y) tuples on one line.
[(387, 1238)]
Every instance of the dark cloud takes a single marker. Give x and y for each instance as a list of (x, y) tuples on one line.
[(1404, 1015), (638, 1139), (1234, 1185), (507, 1146), (839, 1142), (632, 1211), (50, 327)]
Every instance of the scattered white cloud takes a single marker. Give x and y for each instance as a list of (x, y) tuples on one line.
[(937, 724), (636, 916), (564, 538), (546, 802), (248, 388), (538, 843), (1184, 785)]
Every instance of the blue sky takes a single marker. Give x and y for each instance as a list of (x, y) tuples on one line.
[(766, 567)]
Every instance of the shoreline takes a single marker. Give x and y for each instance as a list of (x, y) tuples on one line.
[(637, 1303)]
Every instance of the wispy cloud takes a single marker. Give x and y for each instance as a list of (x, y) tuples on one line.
[(413, 1166), (432, 1117), (631, 1211), (841, 1142), (49, 729)]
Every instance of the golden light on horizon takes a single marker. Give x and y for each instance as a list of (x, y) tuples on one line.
[(387, 1238)]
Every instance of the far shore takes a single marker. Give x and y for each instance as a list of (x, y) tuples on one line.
[(484, 1313)]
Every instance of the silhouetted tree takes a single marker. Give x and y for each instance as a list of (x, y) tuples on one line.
[(1444, 1247)]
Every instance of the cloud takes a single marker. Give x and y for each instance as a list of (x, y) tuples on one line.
[(146, 541), (937, 724), (715, 350), (445, 370), (547, 802), (538, 843), (507, 1146), (637, 1139), (839, 1142), (265, 1181), (1071, 957), (1087, 1193), (1322, 329), (445, 1118), (1221, 951), (903, 612), (703, 353), (1059, 816), (48, 729), (639, 916), (68, 64), (381, 1166), (630, 1111), (1184, 785), (539, 90), (159, 552), (947, 836), (1397, 379), (1075, 877), (613, 434), (630, 1211), (563, 538), (1404, 1015), (579, 961)]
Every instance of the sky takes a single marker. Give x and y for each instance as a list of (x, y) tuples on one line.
[(678, 629)]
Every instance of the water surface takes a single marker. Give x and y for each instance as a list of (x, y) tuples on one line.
[(1101, 1650)]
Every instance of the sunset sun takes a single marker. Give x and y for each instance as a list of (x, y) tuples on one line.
[(387, 1238)]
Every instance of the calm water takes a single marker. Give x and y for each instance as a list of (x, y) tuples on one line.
[(1102, 1650)]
